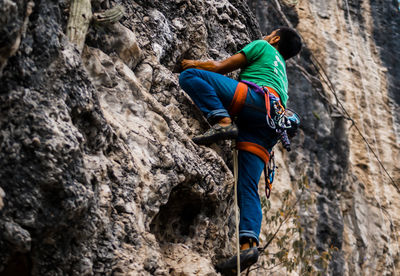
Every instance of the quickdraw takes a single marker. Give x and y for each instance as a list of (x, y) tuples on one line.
[(281, 119), (269, 174)]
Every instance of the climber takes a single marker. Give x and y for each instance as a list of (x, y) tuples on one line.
[(239, 110)]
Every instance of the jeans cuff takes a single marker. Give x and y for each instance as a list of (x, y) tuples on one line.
[(249, 234), (217, 113)]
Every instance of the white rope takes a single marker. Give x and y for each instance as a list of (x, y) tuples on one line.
[(357, 61), (235, 173)]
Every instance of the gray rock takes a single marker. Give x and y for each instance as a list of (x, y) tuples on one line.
[(99, 175), (18, 237)]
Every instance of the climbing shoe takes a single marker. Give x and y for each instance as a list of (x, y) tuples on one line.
[(248, 257), (216, 133)]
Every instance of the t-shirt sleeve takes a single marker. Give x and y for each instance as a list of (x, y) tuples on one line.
[(252, 50)]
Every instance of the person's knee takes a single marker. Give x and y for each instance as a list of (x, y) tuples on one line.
[(185, 75)]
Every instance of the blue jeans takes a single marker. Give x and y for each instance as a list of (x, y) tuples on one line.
[(213, 93)]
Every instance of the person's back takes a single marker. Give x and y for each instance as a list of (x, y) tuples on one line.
[(266, 67)]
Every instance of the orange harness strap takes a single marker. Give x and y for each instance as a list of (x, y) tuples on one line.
[(240, 95), (267, 102), (238, 99), (254, 148), (272, 91)]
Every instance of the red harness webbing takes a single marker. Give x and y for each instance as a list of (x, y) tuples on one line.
[(254, 148), (267, 102), (238, 99)]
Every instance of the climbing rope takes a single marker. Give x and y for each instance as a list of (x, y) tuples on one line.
[(235, 173), (347, 116), (324, 78), (358, 63)]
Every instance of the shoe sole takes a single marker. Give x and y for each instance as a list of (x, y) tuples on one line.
[(247, 258), (215, 138)]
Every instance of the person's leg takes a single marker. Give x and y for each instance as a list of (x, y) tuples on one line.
[(250, 169), (211, 92)]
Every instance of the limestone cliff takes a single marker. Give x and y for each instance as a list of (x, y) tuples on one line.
[(353, 44), (98, 173)]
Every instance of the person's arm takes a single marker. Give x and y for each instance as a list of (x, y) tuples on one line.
[(225, 66)]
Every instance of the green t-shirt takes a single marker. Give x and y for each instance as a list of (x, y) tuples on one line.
[(266, 67)]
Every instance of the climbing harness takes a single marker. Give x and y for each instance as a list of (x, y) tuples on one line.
[(278, 118)]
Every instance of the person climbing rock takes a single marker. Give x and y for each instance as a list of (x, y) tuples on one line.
[(242, 110)]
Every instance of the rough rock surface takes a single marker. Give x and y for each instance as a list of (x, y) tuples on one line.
[(99, 174), (357, 204)]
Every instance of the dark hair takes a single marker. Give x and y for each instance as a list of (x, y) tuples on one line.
[(290, 43)]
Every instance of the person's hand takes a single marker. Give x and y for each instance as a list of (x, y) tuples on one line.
[(188, 63)]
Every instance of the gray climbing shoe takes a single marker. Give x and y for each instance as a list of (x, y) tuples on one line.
[(216, 133)]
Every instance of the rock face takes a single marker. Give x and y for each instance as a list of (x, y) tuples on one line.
[(98, 171), (357, 203)]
